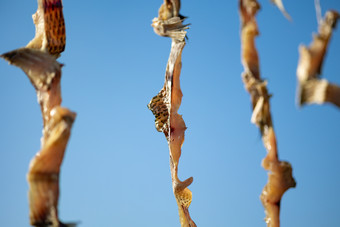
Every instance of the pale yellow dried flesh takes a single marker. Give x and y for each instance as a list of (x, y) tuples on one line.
[(167, 102)]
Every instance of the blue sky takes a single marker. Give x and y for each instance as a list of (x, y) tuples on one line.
[(116, 168)]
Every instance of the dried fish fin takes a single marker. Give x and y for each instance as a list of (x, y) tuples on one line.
[(172, 28), (43, 175), (44, 73), (280, 6), (49, 23), (310, 88)]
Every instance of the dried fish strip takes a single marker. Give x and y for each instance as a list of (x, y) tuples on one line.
[(49, 23), (38, 61), (43, 175), (167, 102), (280, 176), (311, 89), (44, 73)]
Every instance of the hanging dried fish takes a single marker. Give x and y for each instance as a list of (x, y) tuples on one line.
[(166, 104), (43, 175), (38, 61), (311, 89), (280, 176), (44, 73)]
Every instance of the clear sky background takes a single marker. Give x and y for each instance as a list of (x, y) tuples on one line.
[(116, 168)]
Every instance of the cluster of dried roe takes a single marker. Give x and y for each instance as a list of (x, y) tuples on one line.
[(38, 61)]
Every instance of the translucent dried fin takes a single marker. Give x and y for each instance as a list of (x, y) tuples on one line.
[(279, 181), (44, 73), (49, 22), (310, 90), (40, 67), (172, 28), (279, 5), (43, 175)]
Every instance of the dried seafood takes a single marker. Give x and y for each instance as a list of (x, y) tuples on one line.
[(311, 89), (167, 102), (280, 172), (38, 61), (49, 27)]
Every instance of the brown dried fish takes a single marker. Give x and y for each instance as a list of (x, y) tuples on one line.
[(280, 176), (49, 23)]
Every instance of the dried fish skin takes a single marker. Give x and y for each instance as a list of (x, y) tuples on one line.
[(49, 22)]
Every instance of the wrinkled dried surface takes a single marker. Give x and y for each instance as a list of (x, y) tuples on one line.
[(43, 175), (44, 73), (280, 176), (49, 27), (166, 104), (38, 61), (311, 89)]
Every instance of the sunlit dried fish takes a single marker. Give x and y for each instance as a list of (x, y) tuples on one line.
[(280, 176), (165, 106), (311, 89), (44, 73), (43, 175)]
